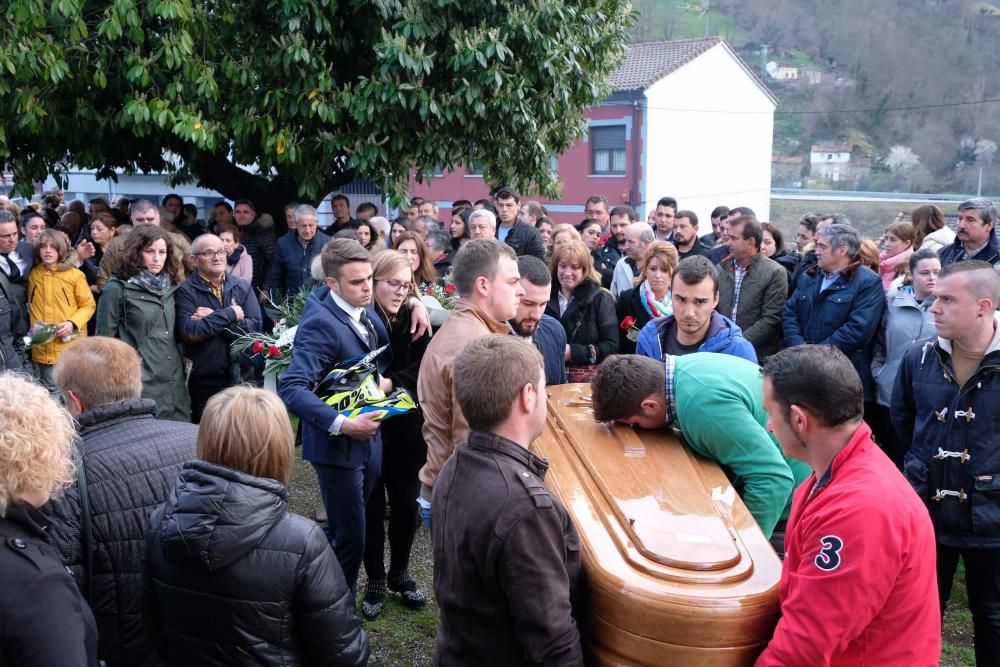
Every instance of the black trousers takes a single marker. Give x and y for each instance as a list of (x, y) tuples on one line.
[(403, 454), (982, 582), (880, 421), (203, 387)]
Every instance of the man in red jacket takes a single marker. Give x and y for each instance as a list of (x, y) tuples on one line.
[(858, 582)]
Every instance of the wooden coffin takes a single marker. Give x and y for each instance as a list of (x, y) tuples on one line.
[(677, 570)]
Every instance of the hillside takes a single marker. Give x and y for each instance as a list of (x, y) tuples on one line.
[(936, 58)]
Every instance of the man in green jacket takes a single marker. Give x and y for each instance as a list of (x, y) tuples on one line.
[(715, 401)]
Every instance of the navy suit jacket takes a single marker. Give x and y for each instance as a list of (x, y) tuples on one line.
[(326, 335)]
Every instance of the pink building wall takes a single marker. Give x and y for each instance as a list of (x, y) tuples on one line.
[(573, 170)]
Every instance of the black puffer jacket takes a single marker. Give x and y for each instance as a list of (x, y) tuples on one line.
[(233, 578), (589, 321), (131, 462)]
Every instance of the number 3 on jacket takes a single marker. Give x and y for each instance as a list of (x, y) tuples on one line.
[(828, 558)]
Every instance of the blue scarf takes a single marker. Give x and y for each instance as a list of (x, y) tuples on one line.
[(653, 307)]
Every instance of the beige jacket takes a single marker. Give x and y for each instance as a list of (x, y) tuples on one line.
[(444, 424)]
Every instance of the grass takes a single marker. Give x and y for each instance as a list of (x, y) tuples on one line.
[(663, 19), (956, 645), (400, 637)]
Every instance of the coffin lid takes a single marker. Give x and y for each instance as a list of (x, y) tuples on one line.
[(669, 517)]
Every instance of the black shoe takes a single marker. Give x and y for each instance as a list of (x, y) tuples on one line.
[(374, 600), (412, 596)]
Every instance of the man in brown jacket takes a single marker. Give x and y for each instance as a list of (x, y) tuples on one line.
[(485, 273), (506, 555), (752, 288)]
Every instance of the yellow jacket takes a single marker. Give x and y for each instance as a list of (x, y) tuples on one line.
[(56, 296)]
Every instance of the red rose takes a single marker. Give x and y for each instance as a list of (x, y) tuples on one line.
[(274, 351), (627, 323), (258, 347), (450, 288), (429, 290)]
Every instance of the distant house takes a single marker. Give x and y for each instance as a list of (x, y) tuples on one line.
[(836, 163), (787, 170), (786, 73), (830, 161), (686, 118)]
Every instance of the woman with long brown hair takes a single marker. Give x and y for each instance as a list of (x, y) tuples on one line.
[(137, 307), (930, 229), (412, 245)]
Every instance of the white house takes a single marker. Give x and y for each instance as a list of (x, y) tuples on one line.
[(830, 161), (707, 135)]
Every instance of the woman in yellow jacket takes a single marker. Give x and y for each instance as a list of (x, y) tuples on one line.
[(58, 294)]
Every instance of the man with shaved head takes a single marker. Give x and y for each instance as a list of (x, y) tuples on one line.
[(944, 407)]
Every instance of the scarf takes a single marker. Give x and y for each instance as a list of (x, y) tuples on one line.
[(653, 307), (151, 282), (232, 259)]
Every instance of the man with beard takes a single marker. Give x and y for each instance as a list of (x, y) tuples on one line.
[(533, 325), (614, 248), (686, 235)]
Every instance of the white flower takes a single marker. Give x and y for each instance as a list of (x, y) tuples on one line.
[(286, 337)]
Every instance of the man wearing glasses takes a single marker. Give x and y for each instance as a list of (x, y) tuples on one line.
[(143, 212), (213, 310)]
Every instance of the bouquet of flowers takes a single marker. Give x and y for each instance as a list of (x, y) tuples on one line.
[(351, 387), (628, 324), (41, 333), (276, 347), (446, 294)]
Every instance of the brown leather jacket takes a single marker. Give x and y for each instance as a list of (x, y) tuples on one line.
[(506, 560), (444, 424)]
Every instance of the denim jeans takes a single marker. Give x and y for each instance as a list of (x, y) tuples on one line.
[(425, 511)]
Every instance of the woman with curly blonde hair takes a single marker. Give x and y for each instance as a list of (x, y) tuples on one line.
[(46, 621)]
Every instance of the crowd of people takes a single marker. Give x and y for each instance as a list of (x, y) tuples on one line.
[(844, 384)]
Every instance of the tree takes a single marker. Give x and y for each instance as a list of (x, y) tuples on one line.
[(310, 93)]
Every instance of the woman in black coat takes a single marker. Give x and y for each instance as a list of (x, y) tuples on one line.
[(404, 451), (43, 618), (773, 246), (650, 299), (231, 576), (584, 308)]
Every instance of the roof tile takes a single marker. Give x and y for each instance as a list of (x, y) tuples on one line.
[(648, 62)]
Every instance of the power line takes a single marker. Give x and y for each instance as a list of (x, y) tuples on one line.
[(915, 107)]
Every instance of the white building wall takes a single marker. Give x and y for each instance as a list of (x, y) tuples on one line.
[(708, 138)]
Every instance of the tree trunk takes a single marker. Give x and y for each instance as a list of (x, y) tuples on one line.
[(218, 173)]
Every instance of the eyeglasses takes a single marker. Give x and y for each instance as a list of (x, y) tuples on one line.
[(397, 285), (209, 254)]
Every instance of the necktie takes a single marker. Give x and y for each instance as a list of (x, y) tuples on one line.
[(367, 324), (13, 272)]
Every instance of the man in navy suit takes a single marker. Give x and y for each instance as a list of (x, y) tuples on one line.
[(338, 323)]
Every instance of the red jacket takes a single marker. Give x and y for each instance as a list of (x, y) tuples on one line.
[(858, 585)]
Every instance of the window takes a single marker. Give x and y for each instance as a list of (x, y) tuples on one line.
[(607, 150)]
